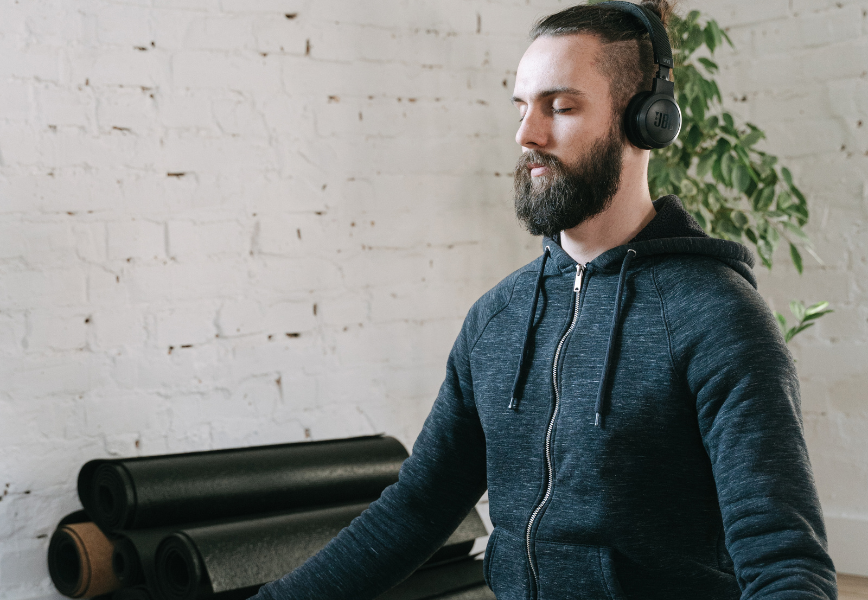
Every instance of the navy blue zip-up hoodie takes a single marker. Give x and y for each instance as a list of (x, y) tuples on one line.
[(636, 423)]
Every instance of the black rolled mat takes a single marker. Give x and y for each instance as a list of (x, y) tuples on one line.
[(461, 541), (141, 592), (199, 561), (133, 558), (441, 581), (139, 493)]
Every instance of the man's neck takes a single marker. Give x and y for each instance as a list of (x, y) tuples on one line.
[(630, 211)]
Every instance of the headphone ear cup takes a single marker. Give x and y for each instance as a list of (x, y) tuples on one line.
[(631, 120), (652, 120)]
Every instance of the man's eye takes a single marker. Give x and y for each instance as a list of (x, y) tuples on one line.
[(559, 111)]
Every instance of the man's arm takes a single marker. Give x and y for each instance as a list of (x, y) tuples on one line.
[(747, 396), (438, 486)]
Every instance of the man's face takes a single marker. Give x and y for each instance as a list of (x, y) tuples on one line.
[(571, 143)]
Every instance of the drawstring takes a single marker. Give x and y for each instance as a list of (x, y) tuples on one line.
[(514, 400), (613, 334)]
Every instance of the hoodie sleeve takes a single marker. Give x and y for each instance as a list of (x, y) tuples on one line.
[(735, 361), (438, 485)]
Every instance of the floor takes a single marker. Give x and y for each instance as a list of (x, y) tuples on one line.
[(851, 587)]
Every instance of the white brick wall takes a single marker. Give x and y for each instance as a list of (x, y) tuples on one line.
[(184, 183)]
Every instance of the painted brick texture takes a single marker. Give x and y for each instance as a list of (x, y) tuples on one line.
[(233, 222)]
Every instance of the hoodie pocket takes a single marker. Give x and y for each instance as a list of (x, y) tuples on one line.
[(574, 572), (505, 566)]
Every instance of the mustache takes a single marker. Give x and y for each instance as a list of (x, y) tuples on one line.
[(535, 157)]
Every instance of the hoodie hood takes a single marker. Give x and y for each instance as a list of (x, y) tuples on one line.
[(672, 231)]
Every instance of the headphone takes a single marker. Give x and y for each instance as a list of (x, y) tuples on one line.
[(652, 119)]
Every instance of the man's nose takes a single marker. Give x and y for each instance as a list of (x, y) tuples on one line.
[(533, 132)]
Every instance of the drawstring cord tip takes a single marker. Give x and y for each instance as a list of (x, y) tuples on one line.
[(597, 420), (513, 404)]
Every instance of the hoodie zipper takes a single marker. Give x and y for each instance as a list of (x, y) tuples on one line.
[(580, 273)]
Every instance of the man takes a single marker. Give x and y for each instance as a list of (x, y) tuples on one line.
[(626, 399)]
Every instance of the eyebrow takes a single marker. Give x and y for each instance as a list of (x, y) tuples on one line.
[(553, 92)]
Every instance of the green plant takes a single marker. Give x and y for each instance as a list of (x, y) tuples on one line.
[(733, 189), (805, 317)]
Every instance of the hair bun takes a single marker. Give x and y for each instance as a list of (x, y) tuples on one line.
[(661, 8)]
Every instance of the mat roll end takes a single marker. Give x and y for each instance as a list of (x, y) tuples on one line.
[(112, 498), (79, 561), (179, 569), (126, 563)]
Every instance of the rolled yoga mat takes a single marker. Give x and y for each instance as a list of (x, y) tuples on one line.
[(133, 558), (135, 551), (80, 560), (441, 581), (461, 541), (202, 560), (199, 561), (139, 493), (142, 592)]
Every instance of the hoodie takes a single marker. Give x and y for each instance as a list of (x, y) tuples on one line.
[(636, 423)]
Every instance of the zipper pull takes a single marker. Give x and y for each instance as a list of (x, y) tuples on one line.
[(580, 273)]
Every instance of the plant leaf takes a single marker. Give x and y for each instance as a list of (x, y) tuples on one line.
[(797, 258), (740, 177), (819, 307), (798, 309), (752, 138)]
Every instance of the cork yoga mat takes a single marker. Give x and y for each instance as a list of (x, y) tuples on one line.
[(80, 561), (139, 493)]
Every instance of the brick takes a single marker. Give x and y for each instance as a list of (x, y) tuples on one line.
[(190, 240), (124, 25), (45, 288), (730, 13), (276, 33), (133, 109), (13, 328), (239, 116), (136, 239), (225, 70), (61, 106), (49, 331), (118, 328), (219, 33)]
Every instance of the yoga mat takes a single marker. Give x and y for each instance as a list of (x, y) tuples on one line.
[(141, 592), (139, 493), (80, 560), (199, 561), (461, 541), (204, 559), (476, 592), (440, 581), (133, 558)]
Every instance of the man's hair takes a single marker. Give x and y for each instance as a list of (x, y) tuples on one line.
[(627, 58)]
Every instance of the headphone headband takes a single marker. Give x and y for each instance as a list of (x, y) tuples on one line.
[(657, 31)]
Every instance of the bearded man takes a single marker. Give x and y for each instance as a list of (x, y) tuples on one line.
[(626, 399)]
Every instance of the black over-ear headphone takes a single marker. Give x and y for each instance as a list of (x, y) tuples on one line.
[(652, 119)]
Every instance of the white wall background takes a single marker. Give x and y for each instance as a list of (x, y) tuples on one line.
[(233, 222)]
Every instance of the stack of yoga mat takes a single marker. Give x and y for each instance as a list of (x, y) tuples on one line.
[(220, 524)]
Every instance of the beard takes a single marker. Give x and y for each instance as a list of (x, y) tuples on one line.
[(568, 194)]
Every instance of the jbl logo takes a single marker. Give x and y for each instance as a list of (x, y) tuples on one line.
[(662, 120)]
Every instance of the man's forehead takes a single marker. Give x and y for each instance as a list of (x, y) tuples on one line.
[(564, 64)]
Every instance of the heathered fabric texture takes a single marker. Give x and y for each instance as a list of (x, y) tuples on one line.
[(697, 486)]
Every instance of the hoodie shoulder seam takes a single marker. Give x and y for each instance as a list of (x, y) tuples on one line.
[(497, 312)]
